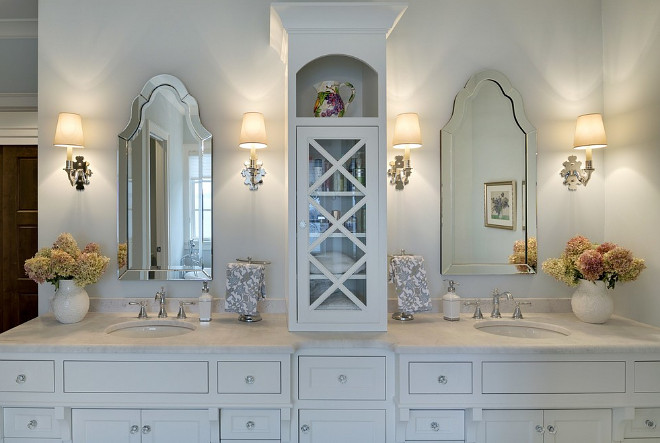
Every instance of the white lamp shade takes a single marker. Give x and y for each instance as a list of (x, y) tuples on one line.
[(69, 132), (253, 131), (589, 132), (407, 134)]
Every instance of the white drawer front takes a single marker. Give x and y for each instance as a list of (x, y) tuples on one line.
[(31, 422), (439, 378), (250, 424), (341, 378), (645, 424), (435, 425), (647, 376), (557, 377), (249, 377), (27, 376), (176, 377)]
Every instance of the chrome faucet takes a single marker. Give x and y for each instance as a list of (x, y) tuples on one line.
[(496, 302), (160, 296)]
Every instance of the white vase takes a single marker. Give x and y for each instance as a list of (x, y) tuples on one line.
[(70, 303), (592, 302)]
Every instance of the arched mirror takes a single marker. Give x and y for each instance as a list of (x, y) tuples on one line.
[(165, 182), (488, 181)]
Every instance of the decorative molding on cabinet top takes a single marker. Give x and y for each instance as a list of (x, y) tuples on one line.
[(312, 18)]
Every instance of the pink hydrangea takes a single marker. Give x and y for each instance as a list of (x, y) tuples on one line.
[(590, 264), (576, 246)]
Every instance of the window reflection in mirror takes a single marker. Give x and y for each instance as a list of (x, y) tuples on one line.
[(165, 182), (488, 181)]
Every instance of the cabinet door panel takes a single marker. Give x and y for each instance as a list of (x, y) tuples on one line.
[(345, 426), (509, 426), (337, 224), (106, 425), (584, 426), (176, 426)]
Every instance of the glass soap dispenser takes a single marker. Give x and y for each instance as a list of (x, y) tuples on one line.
[(451, 303), (205, 301)]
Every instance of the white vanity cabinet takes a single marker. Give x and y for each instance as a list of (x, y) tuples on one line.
[(549, 426), (344, 398), (146, 426), (336, 166), (345, 425)]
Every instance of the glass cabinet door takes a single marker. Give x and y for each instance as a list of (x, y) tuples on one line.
[(336, 205)]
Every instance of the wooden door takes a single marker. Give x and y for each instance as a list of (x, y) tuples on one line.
[(18, 226)]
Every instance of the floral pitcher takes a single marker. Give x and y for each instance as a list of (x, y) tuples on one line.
[(328, 101)]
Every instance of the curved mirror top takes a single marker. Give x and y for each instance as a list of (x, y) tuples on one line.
[(165, 183), (488, 181)]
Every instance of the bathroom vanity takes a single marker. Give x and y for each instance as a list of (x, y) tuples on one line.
[(426, 380)]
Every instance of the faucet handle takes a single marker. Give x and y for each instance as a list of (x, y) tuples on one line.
[(517, 313), (143, 308), (182, 312), (478, 315)]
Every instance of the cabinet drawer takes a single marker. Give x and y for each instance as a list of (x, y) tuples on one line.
[(341, 378), (435, 425), (174, 377), (439, 378), (249, 377), (250, 424), (27, 376), (31, 422), (645, 424), (559, 377), (647, 376)]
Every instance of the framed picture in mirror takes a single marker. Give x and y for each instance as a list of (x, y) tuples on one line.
[(500, 205)]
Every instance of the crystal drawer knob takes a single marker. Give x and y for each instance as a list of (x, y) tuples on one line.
[(249, 380), (32, 424), (342, 379), (551, 429), (21, 378), (146, 429), (435, 426), (135, 429), (650, 424), (302, 224), (250, 425), (539, 429), (304, 429), (442, 380)]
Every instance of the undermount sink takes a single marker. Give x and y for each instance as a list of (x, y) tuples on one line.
[(150, 328), (522, 329)]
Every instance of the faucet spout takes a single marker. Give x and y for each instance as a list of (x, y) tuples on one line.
[(495, 313), (160, 296)]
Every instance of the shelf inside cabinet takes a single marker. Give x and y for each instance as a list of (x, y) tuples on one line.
[(340, 68)]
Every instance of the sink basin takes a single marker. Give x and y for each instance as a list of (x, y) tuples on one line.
[(150, 328), (522, 329)]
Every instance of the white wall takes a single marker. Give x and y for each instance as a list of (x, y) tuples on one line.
[(632, 106), (95, 56)]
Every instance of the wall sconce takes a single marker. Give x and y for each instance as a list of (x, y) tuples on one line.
[(589, 134), (253, 137), (69, 135), (407, 136)]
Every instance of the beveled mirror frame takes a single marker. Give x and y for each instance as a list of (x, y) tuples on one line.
[(134, 125), (527, 204)]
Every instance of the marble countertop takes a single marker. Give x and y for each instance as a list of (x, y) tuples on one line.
[(428, 333)]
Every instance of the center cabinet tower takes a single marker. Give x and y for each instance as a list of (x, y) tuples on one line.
[(336, 166)]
